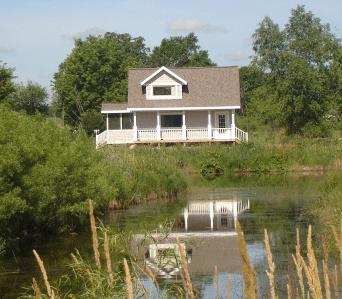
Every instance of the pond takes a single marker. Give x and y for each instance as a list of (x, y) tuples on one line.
[(205, 223)]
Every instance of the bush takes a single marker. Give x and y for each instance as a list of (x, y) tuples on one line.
[(47, 175)]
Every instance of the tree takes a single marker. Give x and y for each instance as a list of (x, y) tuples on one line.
[(31, 98), (6, 83), (250, 78), (96, 72), (296, 65), (179, 51)]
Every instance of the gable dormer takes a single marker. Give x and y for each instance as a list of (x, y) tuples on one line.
[(163, 85)]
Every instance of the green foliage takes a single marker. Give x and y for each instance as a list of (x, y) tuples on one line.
[(91, 120), (296, 62), (95, 72), (210, 163), (250, 78), (47, 173), (31, 98), (6, 83), (179, 51)]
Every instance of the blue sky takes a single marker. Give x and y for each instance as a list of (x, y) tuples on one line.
[(37, 35)]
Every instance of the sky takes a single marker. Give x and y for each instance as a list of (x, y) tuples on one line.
[(36, 36)]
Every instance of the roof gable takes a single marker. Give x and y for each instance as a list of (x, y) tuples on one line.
[(160, 73)]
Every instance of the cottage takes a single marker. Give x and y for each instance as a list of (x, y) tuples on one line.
[(195, 104)]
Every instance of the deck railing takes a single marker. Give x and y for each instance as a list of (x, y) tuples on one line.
[(147, 134), (101, 138), (171, 133), (241, 135), (197, 133)]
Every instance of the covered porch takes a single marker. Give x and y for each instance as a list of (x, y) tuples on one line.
[(171, 127)]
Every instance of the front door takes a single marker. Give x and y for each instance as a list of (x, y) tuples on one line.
[(222, 125)]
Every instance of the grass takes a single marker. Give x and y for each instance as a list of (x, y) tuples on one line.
[(305, 279), (268, 151)]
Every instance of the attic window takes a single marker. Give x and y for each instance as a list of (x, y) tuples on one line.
[(162, 91)]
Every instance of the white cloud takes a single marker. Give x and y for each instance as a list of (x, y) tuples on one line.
[(5, 50), (237, 55), (85, 33), (192, 25)]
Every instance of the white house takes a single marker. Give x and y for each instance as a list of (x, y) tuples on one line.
[(194, 104)]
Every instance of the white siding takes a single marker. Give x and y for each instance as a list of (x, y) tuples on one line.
[(146, 120), (196, 119), (118, 136)]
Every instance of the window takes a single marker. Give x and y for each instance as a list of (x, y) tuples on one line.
[(222, 121), (162, 91), (114, 122), (127, 121), (171, 121), (120, 121)]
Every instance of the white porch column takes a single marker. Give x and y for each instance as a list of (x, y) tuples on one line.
[(235, 212), (184, 127), (158, 126), (210, 127), (186, 215), (233, 124), (135, 128), (107, 122), (211, 215)]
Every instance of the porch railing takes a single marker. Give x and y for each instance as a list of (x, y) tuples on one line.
[(197, 133), (148, 134), (241, 135), (171, 133), (101, 138)]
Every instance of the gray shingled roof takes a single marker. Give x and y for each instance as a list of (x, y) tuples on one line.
[(207, 87)]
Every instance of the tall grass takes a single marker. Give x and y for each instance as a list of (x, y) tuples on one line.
[(275, 152), (311, 277)]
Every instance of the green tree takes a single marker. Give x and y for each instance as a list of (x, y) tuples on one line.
[(96, 72), (179, 51), (251, 78), (6, 83), (47, 175), (296, 64), (31, 98)]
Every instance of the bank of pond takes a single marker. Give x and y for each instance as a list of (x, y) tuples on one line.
[(204, 222)]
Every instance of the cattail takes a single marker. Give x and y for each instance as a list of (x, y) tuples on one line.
[(45, 277), (185, 268), (94, 235), (36, 288), (109, 264), (128, 281)]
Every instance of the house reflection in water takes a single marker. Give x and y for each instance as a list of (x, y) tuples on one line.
[(206, 232)]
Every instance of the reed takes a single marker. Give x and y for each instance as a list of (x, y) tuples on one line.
[(216, 282), (186, 271), (36, 288), (109, 263), (128, 281), (229, 286), (94, 235), (50, 292), (251, 286), (271, 265)]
